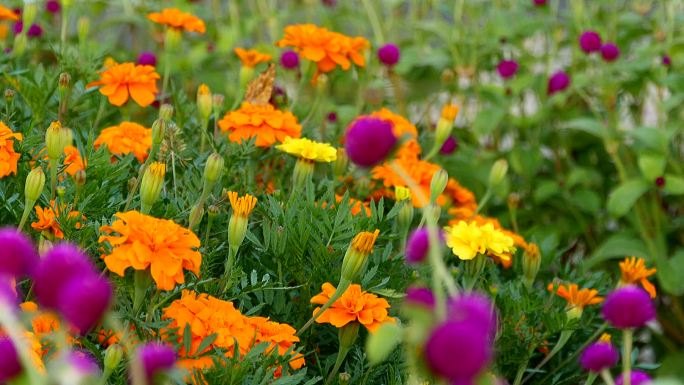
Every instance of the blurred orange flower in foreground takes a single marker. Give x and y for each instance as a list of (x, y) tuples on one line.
[(127, 137), (161, 245), (264, 122), (175, 18), (8, 157), (121, 80), (251, 57), (8, 14), (354, 305)]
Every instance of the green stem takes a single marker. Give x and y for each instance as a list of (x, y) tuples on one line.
[(338, 363), (63, 32), (607, 378), (341, 288), (562, 340), (141, 280), (53, 178), (483, 202), (627, 337), (24, 216), (521, 372), (374, 21), (167, 72), (302, 83)]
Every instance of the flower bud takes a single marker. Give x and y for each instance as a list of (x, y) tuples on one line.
[(204, 102), (445, 124), (56, 139), (196, 214), (19, 44), (237, 226), (64, 81), (213, 168), (172, 39), (9, 95), (303, 171), (131, 184), (61, 191), (347, 334), (213, 211), (379, 345), (438, 184), (28, 15), (321, 83), (531, 262), (344, 378), (341, 164), (80, 178), (498, 172), (405, 215), (83, 28), (151, 185), (112, 358), (166, 112), (355, 259), (35, 181), (402, 193), (217, 101)]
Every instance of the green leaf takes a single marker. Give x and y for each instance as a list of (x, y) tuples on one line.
[(652, 166), (545, 190), (380, 344), (670, 273), (587, 200), (621, 200), (486, 123), (617, 246), (590, 126), (674, 185)]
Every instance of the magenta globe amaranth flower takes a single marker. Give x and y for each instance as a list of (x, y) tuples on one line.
[(369, 141), (332, 117), (558, 82), (628, 307), (507, 68), (389, 54), (156, 359), (637, 377), (17, 253), (590, 41), (539, 3), (449, 146), (666, 60), (473, 308), (83, 363), (610, 52), (599, 356), (59, 266), (34, 30), (52, 6), (458, 350), (289, 60), (417, 246), (10, 367), (147, 58), (84, 300), (420, 296)]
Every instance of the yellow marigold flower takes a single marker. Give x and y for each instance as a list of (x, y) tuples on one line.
[(468, 239), (308, 149), (179, 20), (354, 305), (576, 298), (251, 57), (8, 14), (450, 112), (605, 337), (127, 137), (242, 206), (121, 80), (142, 241), (402, 193), (48, 219), (634, 272), (264, 122), (73, 161), (325, 48), (8, 157)]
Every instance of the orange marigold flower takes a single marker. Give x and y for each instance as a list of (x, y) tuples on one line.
[(280, 336), (175, 18), (73, 161), (8, 14), (353, 306), (147, 242), (127, 137), (576, 298), (251, 57), (634, 272), (420, 170), (48, 219), (460, 196), (268, 124), (43, 324), (121, 80), (8, 157), (401, 127), (326, 48), (357, 206)]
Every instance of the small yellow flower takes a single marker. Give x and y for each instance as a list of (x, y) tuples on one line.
[(402, 193), (450, 112), (605, 337), (467, 240), (308, 149), (242, 206)]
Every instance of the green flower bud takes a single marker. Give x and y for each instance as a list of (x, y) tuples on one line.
[(531, 263), (35, 181), (151, 185), (64, 81), (195, 215), (61, 190), (172, 39), (379, 345), (356, 258), (348, 334), (217, 102), (213, 168), (166, 112), (56, 139), (344, 378), (204, 102), (498, 172), (213, 211), (9, 95), (82, 28), (341, 164), (80, 178), (438, 184), (237, 225), (19, 44), (112, 358), (303, 171), (28, 15)]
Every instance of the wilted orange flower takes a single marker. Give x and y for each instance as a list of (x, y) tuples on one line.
[(147, 242), (175, 18), (125, 138), (73, 160), (8, 14), (634, 272), (268, 124), (48, 219), (8, 157), (120, 80), (353, 305), (576, 298), (251, 57), (326, 48)]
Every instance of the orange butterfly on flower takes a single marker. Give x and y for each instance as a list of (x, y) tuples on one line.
[(119, 81)]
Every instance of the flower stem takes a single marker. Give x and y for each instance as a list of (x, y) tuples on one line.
[(25, 214), (607, 378), (338, 363), (141, 280), (627, 337), (53, 178)]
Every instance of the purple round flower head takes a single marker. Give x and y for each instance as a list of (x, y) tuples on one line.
[(84, 300), (34, 30), (473, 308), (156, 358), (598, 356), (147, 58), (628, 307), (660, 181), (329, 3), (369, 141), (458, 351), (289, 60), (667, 61), (417, 246), (389, 54), (17, 254), (420, 296), (637, 378), (7, 295), (610, 52), (449, 146), (558, 82), (59, 266), (52, 6), (84, 363), (507, 68), (590, 41), (332, 117), (539, 3), (9, 364)]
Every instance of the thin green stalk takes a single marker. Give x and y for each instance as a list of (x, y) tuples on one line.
[(167, 72), (627, 337), (53, 177), (562, 340), (302, 83), (607, 378), (484, 201), (338, 363), (374, 21), (25, 214), (63, 32)]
